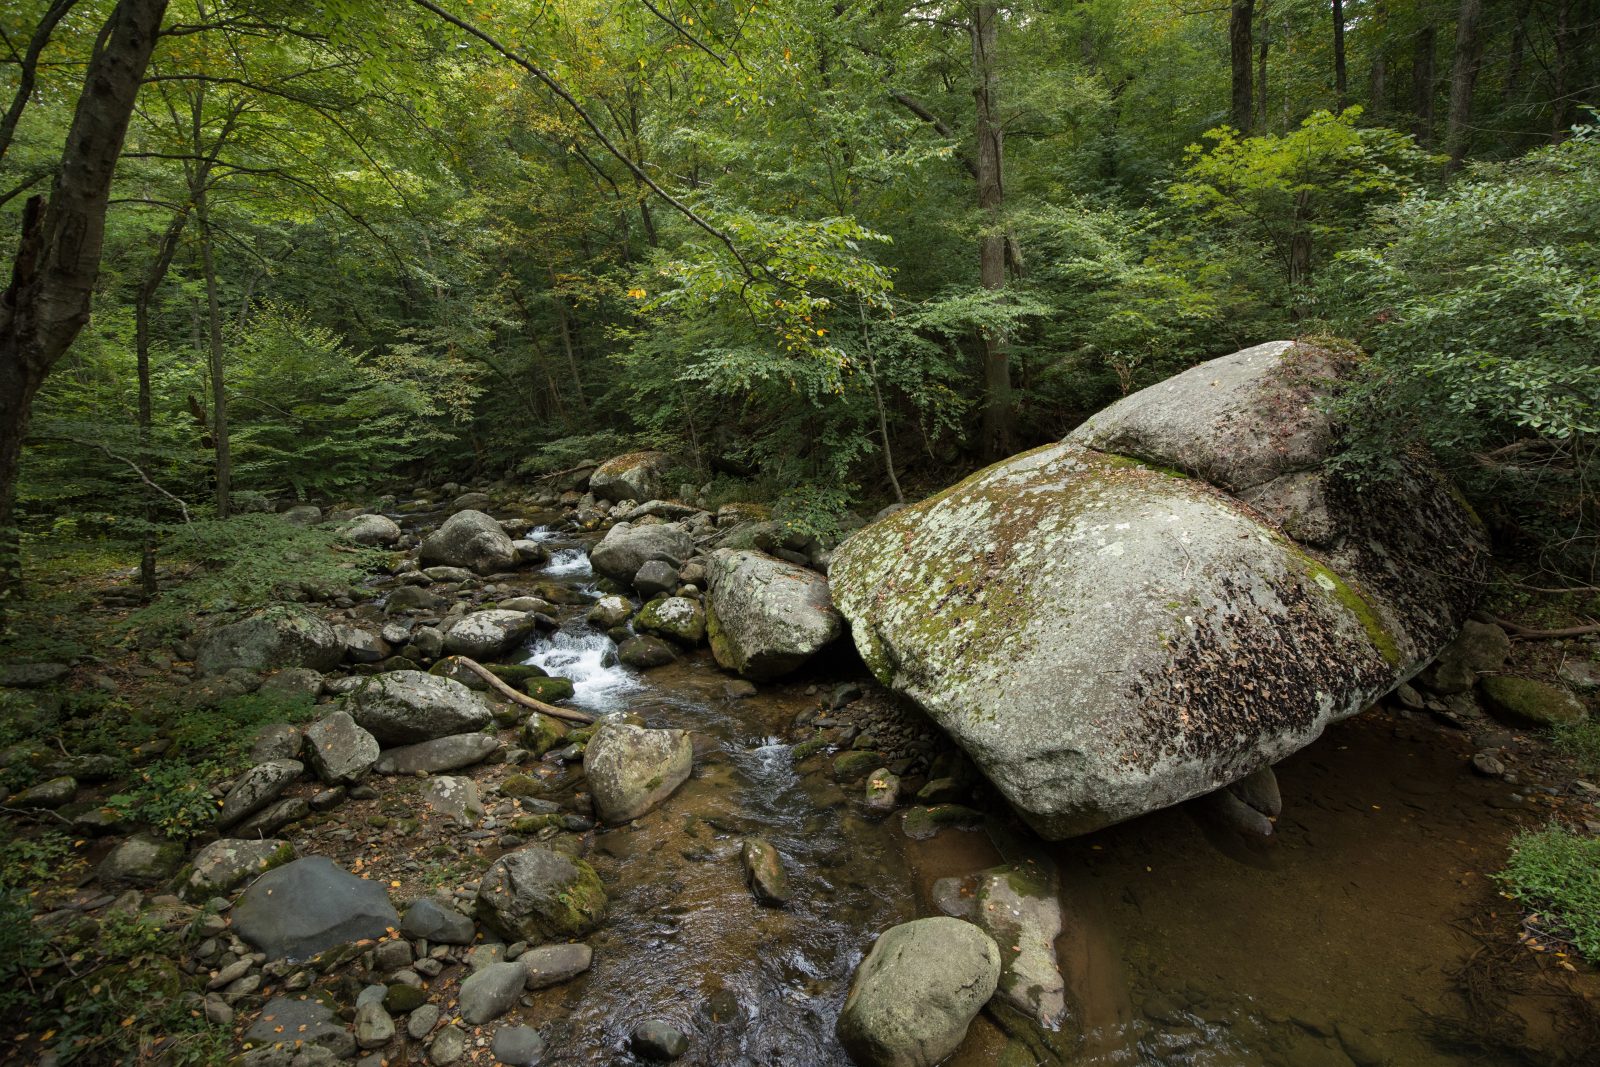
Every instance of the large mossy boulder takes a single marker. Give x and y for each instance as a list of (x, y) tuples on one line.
[(405, 707), (765, 616), (469, 539), (631, 770), (273, 638), (634, 476), (488, 634), (1530, 702), (1170, 599), (536, 894)]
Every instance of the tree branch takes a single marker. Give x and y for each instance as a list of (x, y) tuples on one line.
[(916, 107)]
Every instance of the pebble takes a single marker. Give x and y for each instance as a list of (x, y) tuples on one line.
[(422, 1021)]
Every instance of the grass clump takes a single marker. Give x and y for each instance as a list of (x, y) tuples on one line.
[(1581, 741), (1556, 872)]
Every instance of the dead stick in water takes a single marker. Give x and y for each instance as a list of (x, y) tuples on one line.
[(515, 697)]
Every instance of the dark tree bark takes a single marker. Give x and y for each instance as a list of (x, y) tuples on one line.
[(1422, 85), (1561, 72), (1240, 15), (1261, 70), (1341, 86), (219, 381), (997, 406), (1463, 79), (142, 299), (46, 302)]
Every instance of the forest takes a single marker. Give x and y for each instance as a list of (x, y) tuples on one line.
[(767, 274)]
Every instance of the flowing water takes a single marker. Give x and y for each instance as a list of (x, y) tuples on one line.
[(1181, 945)]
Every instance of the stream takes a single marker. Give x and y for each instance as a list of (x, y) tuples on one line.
[(1181, 945)]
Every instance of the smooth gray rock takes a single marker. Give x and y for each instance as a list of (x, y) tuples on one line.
[(765, 616), (491, 992), (469, 539), (448, 1046), (1104, 637), (484, 635), (610, 611), (634, 476), (371, 530), (141, 860), (1020, 907), (374, 1027), (362, 646), (54, 793), (645, 652), (658, 1041), (280, 636), (225, 863), (256, 788), (405, 707), (302, 515), (517, 1046), (764, 872), (340, 751), (441, 754), (917, 991), (437, 922), (550, 965), (656, 576), (312, 904), (455, 799), (625, 548), (294, 683), (287, 1020), (421, 1021), (274, 817), (535, 894), (631, 770)]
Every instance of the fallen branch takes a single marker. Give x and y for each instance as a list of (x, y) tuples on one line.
[(1526, 633), (499, 686)]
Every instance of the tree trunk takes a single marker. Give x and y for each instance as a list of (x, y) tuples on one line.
[(1341, 87), (997, 413), (219, 391), (1261, 70), (57, 260), (1463, 78), (141, 344), (1422, 85), (1561, 74), (1240, 15), (1300, 254)]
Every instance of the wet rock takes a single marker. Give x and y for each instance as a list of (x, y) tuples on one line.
[(765, 617), (405, 707), (439, 923), (441, 754), (643, 653), (550, 965), (1488, 765), (471, 540), (633, 476), (362, 646), (374, 1027), (491, 992), (549, 690), (256, 788), (541, 733), (280, 636), (610, 611), (855, 765), (310, 905), (412, 598), (922, 823), (882, 791), (917, 991), (656, 577), (1020, 908), (278, 740), (1526, 702), (997, 604), (455, 799), (954, 897), (51, 794), (488, 634), (141, 860), (626, 548), (340, 751), (1360, 1046), (631, 770), (223, 864), (681, 619), (1480, 648), (764, 873), (536, 894), (519, 1046), (658, 1041)]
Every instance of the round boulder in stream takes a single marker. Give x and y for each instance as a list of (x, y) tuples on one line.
[(630, 770), (535, 894), (917, 991), (1105, 635), (625, 548), (472, 540)]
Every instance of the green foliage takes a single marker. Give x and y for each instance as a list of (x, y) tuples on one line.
[(1581, 741), (1556, 872), (172, 797), (224, 734)]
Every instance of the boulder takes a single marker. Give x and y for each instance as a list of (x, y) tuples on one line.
[(411, 598), (656, 577), (53, 793), (917, 991), (626, 548), (1480, 648), (302, 515), (295, 684), (677, 617), (630, 770), (404, 707), (491, 992), (340, 751), (469, 539), (279, 636), (441, 754), (1121, 621), (634, 476), (550, 965), (437, 922), (610, 611), (646, 652), (310, 1022), (224, 863), (371, 530), (312, 904), (362, 645), (488, 634), (765, 616), (1020, 907), (256, 788), (454, 798), (535, 894), (141, 860), (1528, 702)]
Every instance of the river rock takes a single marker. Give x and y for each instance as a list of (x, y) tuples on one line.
[(294, 683), (371, 530), (340, 751), (449, 1045), (223, 864), (488, 634), (677, 617), (312, 904), (1020, 908), (634, 476), (917, 991), (441, 754), (625, 548), (535, 894), (490, 992), (454, 798), (550, 965), (279, 636), (53, 793), (437, 922), (291, 1020), (405, 707), (658, 1041), (655, 577), (519, 1045), (610, 611), (1527, 702), (1106, 636), (362, 646), (256, 788), (374, 1027), (471, 540), (411, 598), (646, 651), (765, 616), (630, 770), (764, 873), (141, 860), (1480, 648)]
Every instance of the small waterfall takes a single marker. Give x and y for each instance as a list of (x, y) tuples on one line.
[(569, 563), (589, 661), (540, 534)]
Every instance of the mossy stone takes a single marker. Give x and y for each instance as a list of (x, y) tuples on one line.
[(1526, 702), (855, 765), (548, 690)]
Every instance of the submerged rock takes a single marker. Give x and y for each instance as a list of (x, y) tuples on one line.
[(1020, 908), (1105, 636), (764, 873), (765, 617)]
